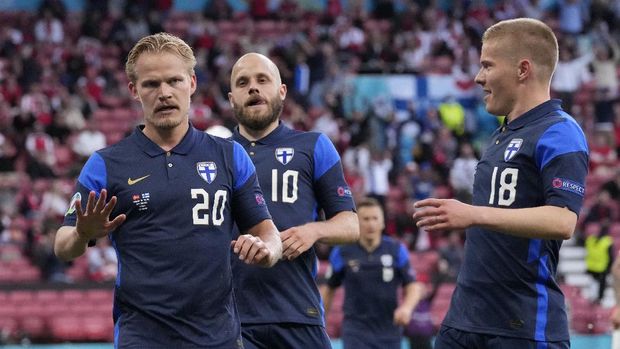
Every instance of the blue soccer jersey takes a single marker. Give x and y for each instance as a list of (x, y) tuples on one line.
[(300, 173), (507, 285), (371, 282), (174, 282)]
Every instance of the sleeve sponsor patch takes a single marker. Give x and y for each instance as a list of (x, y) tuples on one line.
[(568, 185), (76, 196)]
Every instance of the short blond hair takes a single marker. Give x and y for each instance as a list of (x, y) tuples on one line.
[(526, 38), (157, 43)]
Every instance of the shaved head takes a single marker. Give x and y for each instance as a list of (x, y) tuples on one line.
[(254, 57)]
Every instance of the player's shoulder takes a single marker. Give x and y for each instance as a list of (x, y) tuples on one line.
[(122, 147), (300, 135)]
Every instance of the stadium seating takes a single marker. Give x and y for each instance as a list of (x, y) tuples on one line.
[(67, 315)]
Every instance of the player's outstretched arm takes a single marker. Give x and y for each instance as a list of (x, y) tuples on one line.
[(92, 223), (413, 294), (543, 222), (261, 246), (343, 228)]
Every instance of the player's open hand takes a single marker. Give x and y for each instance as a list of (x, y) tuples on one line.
[(402, 316), (297, 240), (252, 250), (93, 222), (442, 214)]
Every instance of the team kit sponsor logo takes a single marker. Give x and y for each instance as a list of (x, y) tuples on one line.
[(568, 185), (141, 201), (71, 209)]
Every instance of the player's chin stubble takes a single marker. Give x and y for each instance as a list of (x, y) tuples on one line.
[(258, 122)]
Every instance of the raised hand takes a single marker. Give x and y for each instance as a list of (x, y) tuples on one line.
[(94, 221)]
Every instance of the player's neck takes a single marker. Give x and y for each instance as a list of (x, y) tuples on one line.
[(531, 98), (370, 244), (254, 135), (166, 138)]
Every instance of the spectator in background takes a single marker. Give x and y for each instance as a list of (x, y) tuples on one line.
[(451, 256), (377, 176), (604, 209), (49, 29), (8, 154), (612, 186), (372, 272), (606, 82), (603, 156), (89, 140), (571, 74), (599, 258), (462, 173), (102, 262)]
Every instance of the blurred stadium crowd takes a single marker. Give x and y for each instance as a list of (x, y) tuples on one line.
[(63, 95)]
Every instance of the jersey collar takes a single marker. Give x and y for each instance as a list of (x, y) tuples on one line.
[(270, 139), (537, 112), (152, 149)]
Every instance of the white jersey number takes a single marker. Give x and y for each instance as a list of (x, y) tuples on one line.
[(200, 211), (289, 186), (507, 192)]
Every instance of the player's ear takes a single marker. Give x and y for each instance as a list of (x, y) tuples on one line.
[(282, 91), (193, 83), (230, 100), (524, 69), (133, 90)]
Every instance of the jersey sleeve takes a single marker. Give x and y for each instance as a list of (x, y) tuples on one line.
[(336, 271), (403, 266), (332, 191), (562, 158), (93, 177), (248, 204)]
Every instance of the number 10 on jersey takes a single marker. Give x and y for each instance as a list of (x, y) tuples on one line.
[(289, 188)]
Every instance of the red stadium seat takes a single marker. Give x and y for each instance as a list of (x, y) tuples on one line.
[(72, 296), (46, 296), (67, 328), (9, 326), (34, 327), (21, 297), (99, 295), (98, 328)]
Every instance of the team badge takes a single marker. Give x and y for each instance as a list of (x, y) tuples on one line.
[(354, 264), (207, 170), (284, 155), (512, 148), (387, 260), (76, 196)]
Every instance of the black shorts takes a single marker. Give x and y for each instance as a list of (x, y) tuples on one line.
[(451, 338), (284, 336)]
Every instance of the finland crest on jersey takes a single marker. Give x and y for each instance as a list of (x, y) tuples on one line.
[(207, 170), (512, 148), (284, 155)]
